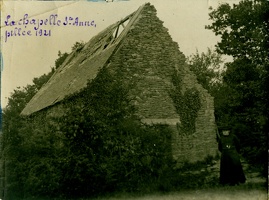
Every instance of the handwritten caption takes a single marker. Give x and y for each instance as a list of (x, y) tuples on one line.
[(27, 27)]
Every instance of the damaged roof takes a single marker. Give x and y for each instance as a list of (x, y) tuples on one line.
[(81, 65)]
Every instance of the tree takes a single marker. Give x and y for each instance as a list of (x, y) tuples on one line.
[(78, 46), (244, 35), (208, 68), (61, 58), (243, 30), (16, 132)]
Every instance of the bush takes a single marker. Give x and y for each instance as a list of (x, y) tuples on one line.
[(98, 146), (109, 148)]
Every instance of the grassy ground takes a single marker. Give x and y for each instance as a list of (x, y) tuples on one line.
[(221, 193), (254, 189), (204, 183), (247, 191), (203, 195)]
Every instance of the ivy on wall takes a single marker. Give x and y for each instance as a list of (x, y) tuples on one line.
[(187, 104)]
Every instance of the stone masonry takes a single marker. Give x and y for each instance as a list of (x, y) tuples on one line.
[(148, 57)]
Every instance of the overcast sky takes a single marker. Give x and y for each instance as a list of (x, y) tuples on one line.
[(26, 57)]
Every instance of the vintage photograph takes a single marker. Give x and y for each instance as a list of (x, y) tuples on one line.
[(134, 100)]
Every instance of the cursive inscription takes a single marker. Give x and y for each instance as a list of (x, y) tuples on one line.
[(30, 26)]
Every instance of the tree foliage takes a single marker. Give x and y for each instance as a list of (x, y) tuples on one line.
[(78, 46), (61, 58), (208, 68), (243, 29), (24, 142), (239, 90), (244, 35), (16, 141)]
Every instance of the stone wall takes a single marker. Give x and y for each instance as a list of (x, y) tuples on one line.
[(147, 60), (202, 143)]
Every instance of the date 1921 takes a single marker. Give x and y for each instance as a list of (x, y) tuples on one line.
[(19, 32)]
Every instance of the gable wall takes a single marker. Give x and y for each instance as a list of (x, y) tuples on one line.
[(146, 60)]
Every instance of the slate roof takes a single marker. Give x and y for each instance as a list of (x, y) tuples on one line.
[(81, 66)]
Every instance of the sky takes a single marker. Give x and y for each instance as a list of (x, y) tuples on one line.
[(26, 54)]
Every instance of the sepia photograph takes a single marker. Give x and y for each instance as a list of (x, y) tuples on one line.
[(134, 100)]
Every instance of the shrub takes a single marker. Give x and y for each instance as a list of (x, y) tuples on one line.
[(109, 149)]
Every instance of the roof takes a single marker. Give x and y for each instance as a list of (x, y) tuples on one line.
[(81, 65)]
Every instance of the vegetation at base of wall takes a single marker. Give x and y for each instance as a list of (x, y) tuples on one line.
[(108, 143), (190, 176), (98, 146), (187, 105)]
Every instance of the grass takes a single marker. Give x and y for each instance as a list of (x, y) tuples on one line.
[(220, 193), (251, 190), (175, 185), (247, 191)]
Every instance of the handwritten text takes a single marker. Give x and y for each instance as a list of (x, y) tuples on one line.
[(27, 27)]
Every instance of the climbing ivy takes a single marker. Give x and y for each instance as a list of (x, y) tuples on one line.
[(187, 104)]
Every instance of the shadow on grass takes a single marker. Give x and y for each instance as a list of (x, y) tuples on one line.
[(185, 182)]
